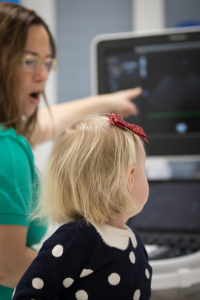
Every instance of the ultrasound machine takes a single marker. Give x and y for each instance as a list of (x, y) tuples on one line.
[(166, 64)]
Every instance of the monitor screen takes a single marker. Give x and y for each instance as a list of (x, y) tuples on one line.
[(167, 67), (173, 206)]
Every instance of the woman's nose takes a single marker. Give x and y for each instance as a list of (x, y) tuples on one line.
[(41, 74)]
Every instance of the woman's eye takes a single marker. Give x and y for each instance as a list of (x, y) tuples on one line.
[(29, 62), (48, 65)]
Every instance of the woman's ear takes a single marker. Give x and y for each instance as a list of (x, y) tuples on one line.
[(130, 178)]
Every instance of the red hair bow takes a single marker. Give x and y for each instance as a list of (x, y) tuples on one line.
[(118, 121)]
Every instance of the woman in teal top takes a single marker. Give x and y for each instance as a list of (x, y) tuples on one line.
[(16, 175), (27, 56)]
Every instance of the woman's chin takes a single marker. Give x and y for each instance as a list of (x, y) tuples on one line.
[(28, 113)]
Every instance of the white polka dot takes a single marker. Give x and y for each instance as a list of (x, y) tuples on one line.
[(136, 295), (114, 279), (81, 295), (147, 273), (57, 251), (86, 272), (67, 282), (37, 283), (132, 257)]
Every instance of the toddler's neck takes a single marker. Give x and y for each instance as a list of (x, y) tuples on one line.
[(118, 221)]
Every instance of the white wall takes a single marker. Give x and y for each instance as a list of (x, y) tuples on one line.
[(47, 10), (148, 14)]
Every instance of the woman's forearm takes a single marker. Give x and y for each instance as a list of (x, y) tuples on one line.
[(13, 267), (15, 257)]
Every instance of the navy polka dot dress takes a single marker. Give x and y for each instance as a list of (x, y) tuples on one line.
[(88, 262)]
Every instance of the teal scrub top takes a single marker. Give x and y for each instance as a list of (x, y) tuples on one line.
[(19, 187)]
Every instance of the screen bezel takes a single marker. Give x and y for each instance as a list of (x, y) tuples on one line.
[(101, 45)]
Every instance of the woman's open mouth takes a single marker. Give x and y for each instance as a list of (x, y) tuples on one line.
[(35, 97)]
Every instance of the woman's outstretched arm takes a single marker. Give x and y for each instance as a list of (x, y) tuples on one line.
[(65, 114)]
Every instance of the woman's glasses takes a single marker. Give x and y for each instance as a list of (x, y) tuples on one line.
[(31, 63)]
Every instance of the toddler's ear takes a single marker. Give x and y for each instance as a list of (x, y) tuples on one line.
[(130, 178)]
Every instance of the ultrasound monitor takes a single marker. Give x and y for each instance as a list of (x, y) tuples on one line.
[(170, 218), (167, 66)]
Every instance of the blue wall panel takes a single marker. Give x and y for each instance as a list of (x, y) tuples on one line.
[(78, 22), (16, 1)]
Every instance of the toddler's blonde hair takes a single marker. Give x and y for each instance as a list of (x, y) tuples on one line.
[(86, 172)]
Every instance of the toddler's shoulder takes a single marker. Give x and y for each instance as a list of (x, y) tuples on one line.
[(78, 232), (139, 241), (137, 235)]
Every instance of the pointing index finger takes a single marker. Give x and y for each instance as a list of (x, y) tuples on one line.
[(133, 93)]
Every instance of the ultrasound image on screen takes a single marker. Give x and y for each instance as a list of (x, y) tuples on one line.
[(172, 206), (170, 77)]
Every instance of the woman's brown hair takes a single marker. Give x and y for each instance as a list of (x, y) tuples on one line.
[(15, 21)]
